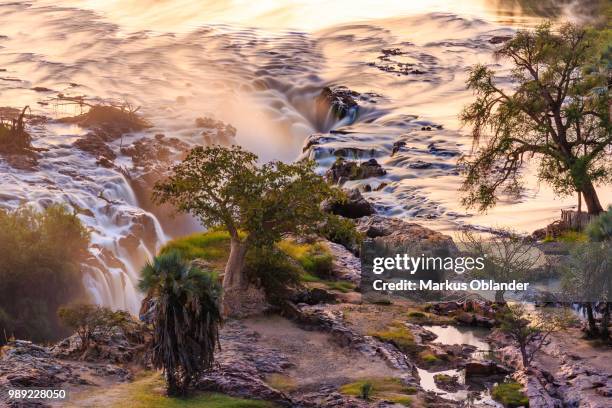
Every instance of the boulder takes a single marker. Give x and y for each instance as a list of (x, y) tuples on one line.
[(355, 205), (399, 232), (447, 382), (343, 170)]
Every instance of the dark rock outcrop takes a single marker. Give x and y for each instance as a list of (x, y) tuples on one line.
[(354, 206), (343, 170), (26, 365), (484, 368), (339, 100)]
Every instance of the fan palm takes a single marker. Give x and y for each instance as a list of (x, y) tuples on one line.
[(186, 318)]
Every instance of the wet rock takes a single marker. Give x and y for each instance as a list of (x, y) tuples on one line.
[(447, 382), (499, 39), (216, 131), (41, 89), (421, 334), (355, 205), (439, 151), (96, 143), (147, 153), (340, 101), (343, 170), (397, 146), (353, 153), (484, 368)]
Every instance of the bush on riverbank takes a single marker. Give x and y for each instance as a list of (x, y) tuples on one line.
[(275, 268), (39, 270)]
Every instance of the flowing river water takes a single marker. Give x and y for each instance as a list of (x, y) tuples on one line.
[(259, 66)]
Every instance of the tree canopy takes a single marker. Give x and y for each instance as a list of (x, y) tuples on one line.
[(256, 204), (225, 186), (558, 111)]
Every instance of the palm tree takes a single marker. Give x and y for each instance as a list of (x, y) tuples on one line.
[(186, 319)]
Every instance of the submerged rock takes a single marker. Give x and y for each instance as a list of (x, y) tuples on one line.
[(216, 131)]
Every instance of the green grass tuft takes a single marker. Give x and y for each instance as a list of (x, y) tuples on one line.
[(212, 246), (314, 258), (510, 395), (398, 334), (385, 388)]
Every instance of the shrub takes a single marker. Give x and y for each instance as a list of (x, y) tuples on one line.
[(40, 269), (341, 231), (88, 320), (13, 137), (314, 258), (600, 229), (273, 270), (510, 395)]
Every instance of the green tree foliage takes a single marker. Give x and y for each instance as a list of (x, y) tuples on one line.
[(40, 269), (557, 111), (186, 319), (256, 204), (88, 320)]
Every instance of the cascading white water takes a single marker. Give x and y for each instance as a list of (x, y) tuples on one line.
[(180, 60)]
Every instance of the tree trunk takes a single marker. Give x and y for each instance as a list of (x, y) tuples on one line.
[(523, 348), (592, 330), (499, 297), (590, 198), (605, 321), (234, 268)]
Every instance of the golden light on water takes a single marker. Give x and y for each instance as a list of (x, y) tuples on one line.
[(182, 15)]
